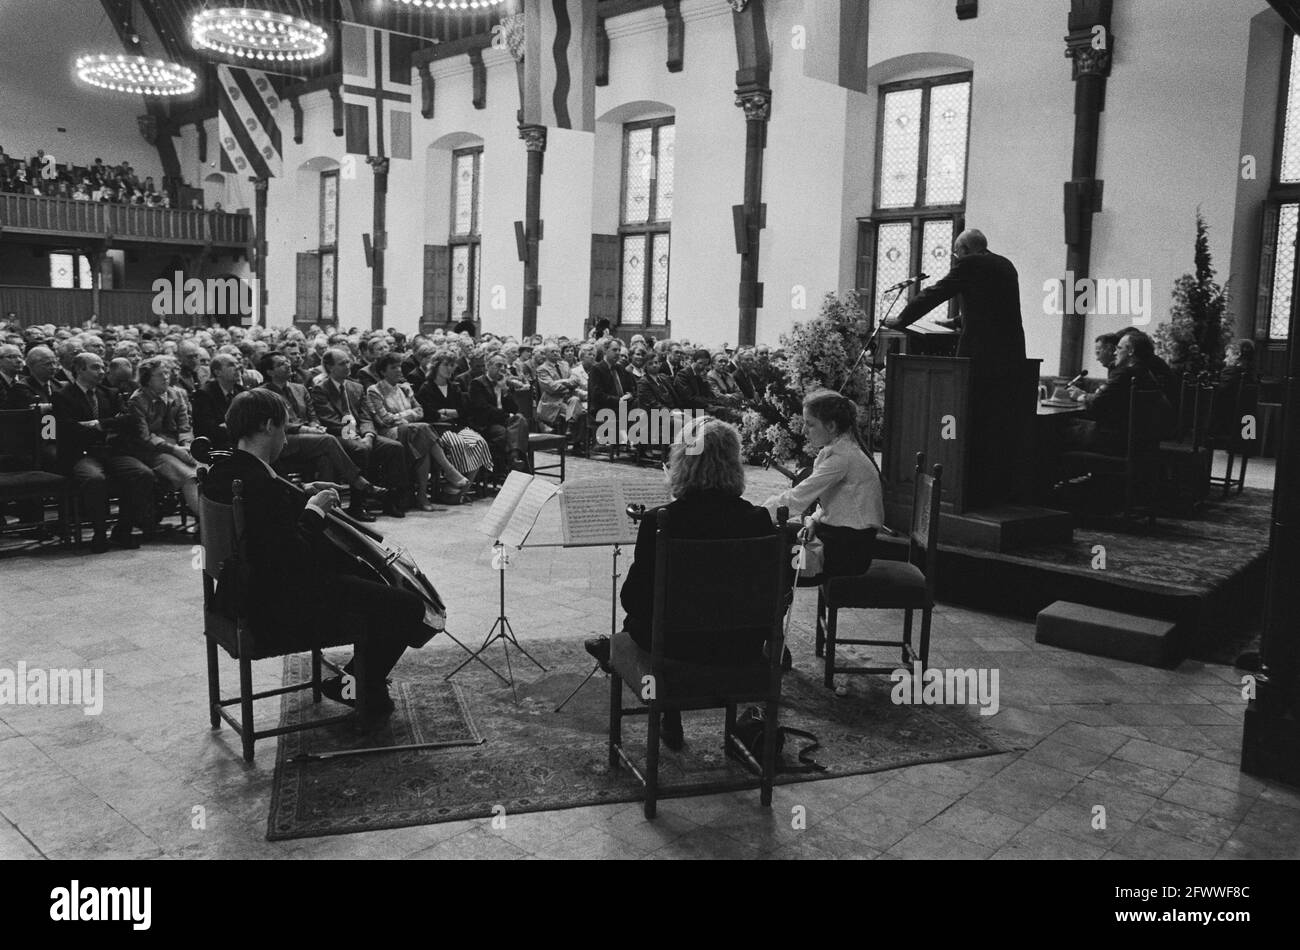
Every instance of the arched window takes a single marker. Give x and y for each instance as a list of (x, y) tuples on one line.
[(1282, 210)]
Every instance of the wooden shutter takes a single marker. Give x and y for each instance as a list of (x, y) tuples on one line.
[(605, 261), (437, 285), (307, 311), (1267, 262)]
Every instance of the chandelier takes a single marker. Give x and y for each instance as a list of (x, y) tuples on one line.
[(258, 34), (454, 4), (136, 74)]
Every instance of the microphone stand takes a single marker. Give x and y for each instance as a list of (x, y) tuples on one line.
[(872, 368)]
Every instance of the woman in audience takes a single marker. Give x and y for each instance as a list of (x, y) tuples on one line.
[(443, 402), (163, 431), (845, 484), (398, 416)]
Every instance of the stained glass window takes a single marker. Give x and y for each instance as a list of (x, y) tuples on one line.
[(900, 148), (893, 264), (62, 273), (460, 280), (329, 209), (945, 175), (1289, 173), (638, 175), (936, 249), (664, 174), (633, 282), (1279, 318), (463, 200), (466, 204), (327, 285), (659, 281)]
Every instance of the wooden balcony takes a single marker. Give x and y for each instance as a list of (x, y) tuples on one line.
[(62, 217)]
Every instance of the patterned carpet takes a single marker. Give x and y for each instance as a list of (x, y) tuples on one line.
[(535, 759)]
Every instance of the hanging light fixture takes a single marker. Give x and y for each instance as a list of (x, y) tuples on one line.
[(258, 35), (136, 74), (454, 4)]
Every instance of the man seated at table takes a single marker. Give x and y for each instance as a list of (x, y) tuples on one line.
[(1104, 349), (1105, 427)]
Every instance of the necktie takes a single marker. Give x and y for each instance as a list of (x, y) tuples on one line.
[(618, 383)]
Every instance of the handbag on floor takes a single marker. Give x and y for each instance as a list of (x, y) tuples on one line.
[(751, 726)]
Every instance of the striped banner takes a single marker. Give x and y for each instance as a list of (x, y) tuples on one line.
[(377, 91), (836, 42), (560, 64), (249, 133)]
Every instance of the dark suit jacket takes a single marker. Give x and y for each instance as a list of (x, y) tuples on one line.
[(210, 405), (699, 515), (72, 406), (746, 384), (655, 392), (432, 400), (693, 392), (36, 392), (333, 403), (601, 389), (12, 394), (993, 335), (482, 408), (286, 553), (301, 411)]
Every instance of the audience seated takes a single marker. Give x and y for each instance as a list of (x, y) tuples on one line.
[(444, 405), (494, 414), (163, 431)]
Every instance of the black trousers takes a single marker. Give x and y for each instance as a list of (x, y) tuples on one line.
[(846, 551), (391, 619)]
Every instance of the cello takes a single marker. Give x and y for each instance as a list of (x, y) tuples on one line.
[(365, 549)]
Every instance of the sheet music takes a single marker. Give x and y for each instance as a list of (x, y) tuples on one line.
[(504, 504), (651, 492), (537, 494), (592, 514)]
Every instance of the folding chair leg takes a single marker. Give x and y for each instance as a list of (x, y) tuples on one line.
[(652, 763), (246, 703), (832, 617), (907, 636), (1227, 477), (615, 719), (925, 637), (821, 616), (769, 755), (214, 685), (1241, 481)]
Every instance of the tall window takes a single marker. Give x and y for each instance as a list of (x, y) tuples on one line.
[(69, 270), (920, 191), (329, 243), (1282, 212), (645, 220), (465, 241)]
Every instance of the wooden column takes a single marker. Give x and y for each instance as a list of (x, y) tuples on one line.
[(259, 257), (1089, 47), (534, 137), (754, 95), (378, 293)]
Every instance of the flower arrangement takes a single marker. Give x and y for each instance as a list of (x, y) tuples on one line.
[(821, 353)]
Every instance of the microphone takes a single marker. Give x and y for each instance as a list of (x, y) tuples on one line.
[(1074, 382), (907, 283)]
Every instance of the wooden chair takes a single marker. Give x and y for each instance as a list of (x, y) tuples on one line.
[(554, 440), (1231, 441), (889, 585), (1138, 468), (21, 475), (1186, 460), (693, 599), (220, 528)]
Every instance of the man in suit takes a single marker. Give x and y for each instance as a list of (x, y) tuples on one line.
[(213, 398), (340, 406), (295, 584), (607, 384), (188, 356), (494, 414), (12, 394), (993, 339), (93, 429), (40, 384), (743, 376), (308, 443)]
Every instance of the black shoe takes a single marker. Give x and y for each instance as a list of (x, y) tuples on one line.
[(358, 513), (99, 544), (376, 704), (1249, 661), (670, 730), (598, 647), (123, 539), (393, 509)]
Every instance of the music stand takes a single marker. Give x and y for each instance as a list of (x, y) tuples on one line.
[(613, 621), (500, 630)]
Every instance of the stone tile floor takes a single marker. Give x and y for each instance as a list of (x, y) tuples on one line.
[(1157, 750)]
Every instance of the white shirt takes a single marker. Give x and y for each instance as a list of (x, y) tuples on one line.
[(844, 483)]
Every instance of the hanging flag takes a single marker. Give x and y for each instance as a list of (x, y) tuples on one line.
[(376, 91), (247, 127), (560, 64), (836, 42)]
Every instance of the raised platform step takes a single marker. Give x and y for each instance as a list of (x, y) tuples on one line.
[(1108, 633), (1005, 528)]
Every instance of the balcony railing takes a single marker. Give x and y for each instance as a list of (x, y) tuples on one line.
[(36, 214)]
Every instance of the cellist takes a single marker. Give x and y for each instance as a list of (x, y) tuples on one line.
[(297, 580)]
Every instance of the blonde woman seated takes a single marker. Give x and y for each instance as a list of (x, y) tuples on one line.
[(845, 484), (444, 403), (163, 430), (398, 416)]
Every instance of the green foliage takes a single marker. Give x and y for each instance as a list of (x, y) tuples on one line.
[(1200, 324), (818, 354)]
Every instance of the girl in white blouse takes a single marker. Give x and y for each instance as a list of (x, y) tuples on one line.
[(845, 484)]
